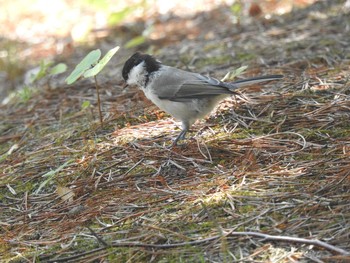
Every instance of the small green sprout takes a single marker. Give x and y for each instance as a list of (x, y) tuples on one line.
[(90, 66)]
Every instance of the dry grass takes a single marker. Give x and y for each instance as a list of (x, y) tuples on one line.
[(73, 192)]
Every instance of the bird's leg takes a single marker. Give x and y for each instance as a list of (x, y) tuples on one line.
[(181, 136)]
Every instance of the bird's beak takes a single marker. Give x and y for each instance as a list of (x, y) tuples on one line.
[(125, 85)]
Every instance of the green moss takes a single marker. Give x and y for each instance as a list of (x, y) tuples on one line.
[(215, 60), (245, 56), (213, 46), (327, 42), (243, 193), (342, 129), (183, 257), (80, 245), (18, 186), (119, 254), (246, 209), (5, 251)]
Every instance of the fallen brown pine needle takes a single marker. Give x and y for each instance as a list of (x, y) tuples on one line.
[(265, 237)]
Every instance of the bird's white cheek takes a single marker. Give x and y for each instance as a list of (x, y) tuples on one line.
[(137, 75)]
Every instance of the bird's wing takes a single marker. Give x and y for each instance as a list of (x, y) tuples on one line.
[(180, 85), (184, 86)]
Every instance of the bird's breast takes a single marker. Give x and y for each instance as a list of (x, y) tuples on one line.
[(176, 109)]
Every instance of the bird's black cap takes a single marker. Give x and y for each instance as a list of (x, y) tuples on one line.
[(151, 64)]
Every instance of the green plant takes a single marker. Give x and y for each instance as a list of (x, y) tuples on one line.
[(91, 66), (25, 93), (48, 70), (233, 74)]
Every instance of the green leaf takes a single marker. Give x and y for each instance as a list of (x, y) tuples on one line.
[(102, 5), (88, 61), (239, 71), (233, 74), (118, 17), (25, 93), (101, 64), (85, 105), (236, 9), (58, 69), (136, 41), (42, 72), (49, 175)]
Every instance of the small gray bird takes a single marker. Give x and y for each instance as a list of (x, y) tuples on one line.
[(185, 95)]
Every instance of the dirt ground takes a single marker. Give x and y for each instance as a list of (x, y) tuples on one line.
[(264, 180)]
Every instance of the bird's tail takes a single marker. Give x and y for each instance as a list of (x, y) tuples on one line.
[(254, 80)]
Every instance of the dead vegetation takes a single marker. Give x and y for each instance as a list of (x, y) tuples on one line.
[(261, 182)]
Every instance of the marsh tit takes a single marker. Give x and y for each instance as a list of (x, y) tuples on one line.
[(185, 95)]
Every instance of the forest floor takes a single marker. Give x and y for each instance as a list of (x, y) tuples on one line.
[(266, 180)]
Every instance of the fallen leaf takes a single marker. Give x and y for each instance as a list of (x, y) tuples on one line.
[(65, 193)]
